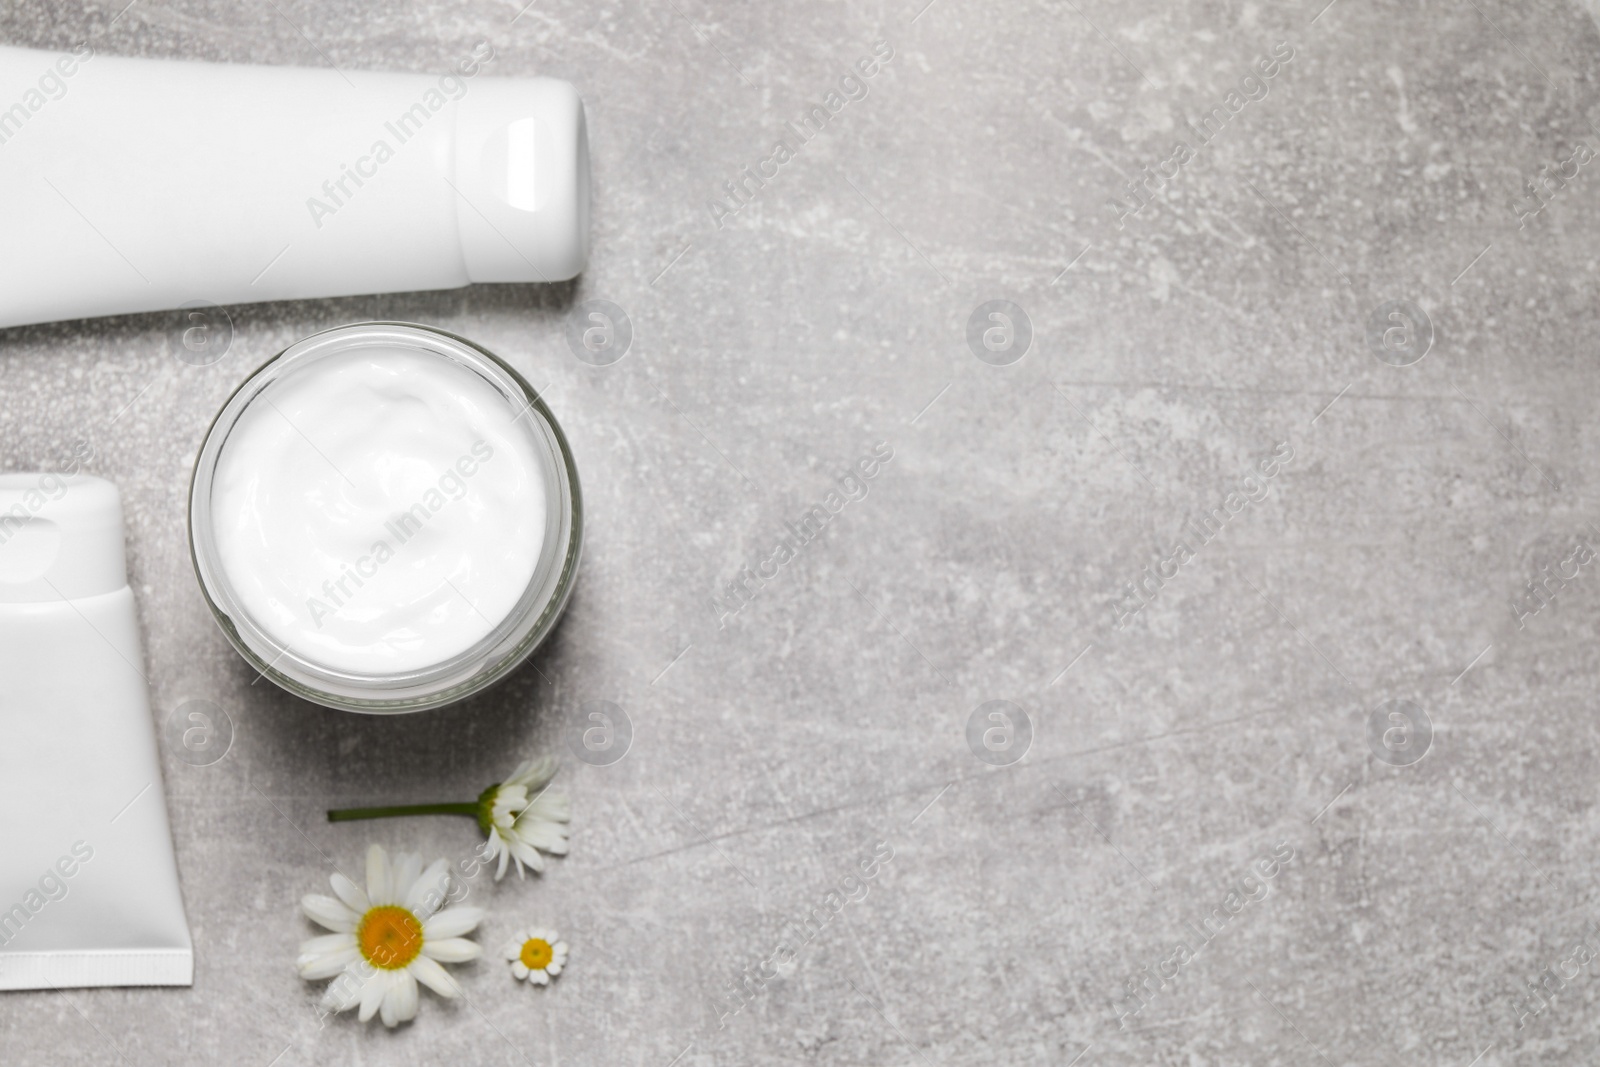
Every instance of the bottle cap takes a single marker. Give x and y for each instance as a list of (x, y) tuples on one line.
[(60, 538), (522, 179)]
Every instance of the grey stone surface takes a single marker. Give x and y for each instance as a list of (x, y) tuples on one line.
[(1170, 353)]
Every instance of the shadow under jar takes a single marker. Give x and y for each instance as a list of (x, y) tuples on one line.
[(385, 517)]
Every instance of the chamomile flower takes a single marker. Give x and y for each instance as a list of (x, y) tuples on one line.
[(521, 820), (387, 937), (536, 955)]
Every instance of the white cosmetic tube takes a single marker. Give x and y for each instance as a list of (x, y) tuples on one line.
[(140, 185), (88, 883)]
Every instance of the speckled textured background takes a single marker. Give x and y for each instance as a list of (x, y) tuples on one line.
[(1170, 353)]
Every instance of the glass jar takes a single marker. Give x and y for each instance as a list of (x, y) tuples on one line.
[(455, 676)]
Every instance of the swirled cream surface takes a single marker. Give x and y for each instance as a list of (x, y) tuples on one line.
[(378, 511)]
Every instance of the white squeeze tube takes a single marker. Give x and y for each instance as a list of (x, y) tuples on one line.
[(88, 883), (147, 184)]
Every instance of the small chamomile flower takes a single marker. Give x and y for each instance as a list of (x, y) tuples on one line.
[(536, 955)]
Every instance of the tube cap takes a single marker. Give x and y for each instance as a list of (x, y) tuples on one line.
[(60, 538), (522, 166)]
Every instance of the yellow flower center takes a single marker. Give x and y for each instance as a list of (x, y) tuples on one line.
[(537, 953), (390, 937)]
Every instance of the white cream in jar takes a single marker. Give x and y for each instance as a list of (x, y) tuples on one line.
[(378, 511)]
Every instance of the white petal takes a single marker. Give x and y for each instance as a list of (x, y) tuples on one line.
[(344, 992), (540, 817), (540, 773), (552, 968), (519, 969), (509, 798), (354, 897), (407, 866), (451, 949), (550, 807), (555, 846), (324, 943), (325, 964), (539, 976), (513, 950), (500, 872), (316, 968), (400, 1000), (434, 977), (538, 833), (452, 922), (334, 1001), (378, 877), (329, 912), (373, 992), (429, 891), (532, 773), (389, 1007), (406, 1010), (527, 854)]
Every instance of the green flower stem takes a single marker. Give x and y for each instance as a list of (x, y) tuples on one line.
[(468, 808)]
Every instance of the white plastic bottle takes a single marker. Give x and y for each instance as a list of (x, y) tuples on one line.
[(89, 890), (140, 185)]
